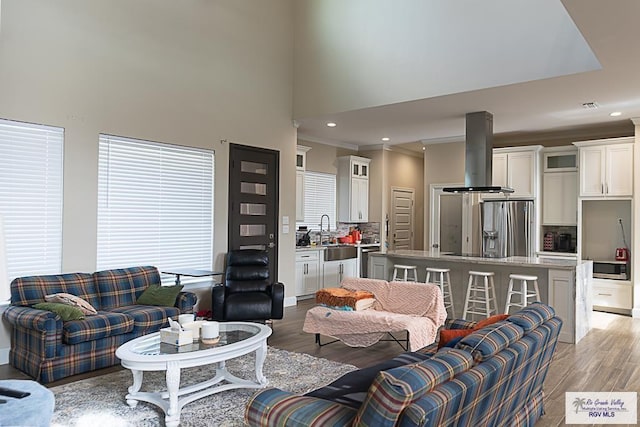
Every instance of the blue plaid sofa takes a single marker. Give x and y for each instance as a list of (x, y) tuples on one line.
[(47, 349), (491, 377)]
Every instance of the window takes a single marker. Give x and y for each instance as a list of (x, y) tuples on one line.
[(319, 199), (155, 205), (31, 197)]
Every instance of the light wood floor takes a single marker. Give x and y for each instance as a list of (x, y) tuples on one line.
[(608, 358)]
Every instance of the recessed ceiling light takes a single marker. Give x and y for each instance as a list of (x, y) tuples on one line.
[(424, 148), (331, 124), (386, 138), (616, 114)]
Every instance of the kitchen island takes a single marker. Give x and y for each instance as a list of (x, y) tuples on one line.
[(564, 284)]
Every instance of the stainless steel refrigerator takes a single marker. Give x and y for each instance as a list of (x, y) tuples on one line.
[(507, 228)]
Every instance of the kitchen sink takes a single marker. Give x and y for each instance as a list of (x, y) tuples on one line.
[(338, 252)]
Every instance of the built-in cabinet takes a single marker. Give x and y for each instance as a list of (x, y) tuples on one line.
[(301, 166), (560, 187), (612, 295), (517, 168), (353, 189), (606, 167), (308, 273), (334, 271), (605, 209)]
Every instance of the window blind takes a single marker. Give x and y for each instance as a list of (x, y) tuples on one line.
[(319, 199), (155, 205), (31, 159)]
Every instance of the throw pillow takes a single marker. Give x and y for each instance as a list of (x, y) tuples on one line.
[(446, 335), (160, 295), (490, 321), (72, 300), (65, 311)]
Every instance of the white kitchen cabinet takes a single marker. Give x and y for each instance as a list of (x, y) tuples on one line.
[(334, 271), (560, 198), (307, 272), (517, 168), (353, 189), (299, 196), (562, 297), (612, 295), (606, 167)]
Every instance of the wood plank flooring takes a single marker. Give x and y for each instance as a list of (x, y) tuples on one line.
[(606, 359)]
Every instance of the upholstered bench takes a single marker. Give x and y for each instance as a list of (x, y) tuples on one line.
[(417, 308)]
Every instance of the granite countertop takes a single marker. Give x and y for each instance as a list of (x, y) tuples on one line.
[(520, 261), (323, 247)]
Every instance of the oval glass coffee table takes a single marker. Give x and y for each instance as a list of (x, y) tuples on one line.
[(147, 353)]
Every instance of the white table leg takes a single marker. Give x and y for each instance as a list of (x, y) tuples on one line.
[(261, 355), (137, 384), (173, 385)]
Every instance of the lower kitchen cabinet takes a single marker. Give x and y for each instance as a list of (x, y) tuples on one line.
[(612, 295), (334, 271), (562, 298), (307, 273)]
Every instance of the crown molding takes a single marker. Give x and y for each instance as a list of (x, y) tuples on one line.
[(445, 140), (333, 143), (635, 120)]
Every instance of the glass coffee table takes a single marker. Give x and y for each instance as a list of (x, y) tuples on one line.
[(147, 353)]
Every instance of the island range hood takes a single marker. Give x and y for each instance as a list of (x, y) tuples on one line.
[(478, 156)]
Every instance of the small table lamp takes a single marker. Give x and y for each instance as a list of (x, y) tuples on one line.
[(5, 290)]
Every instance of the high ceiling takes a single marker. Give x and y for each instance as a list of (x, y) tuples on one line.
[(595, 58)]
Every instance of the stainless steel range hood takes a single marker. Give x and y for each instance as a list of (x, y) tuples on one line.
[(478, 156)]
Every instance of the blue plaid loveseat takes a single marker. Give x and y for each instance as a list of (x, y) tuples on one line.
[(47, 349), (491, 377)]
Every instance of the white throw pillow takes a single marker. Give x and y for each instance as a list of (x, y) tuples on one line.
[(68, 299)]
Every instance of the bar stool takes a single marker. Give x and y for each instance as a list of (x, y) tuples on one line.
[(523, 291), (405, 276), (480, 296), (443, 280)]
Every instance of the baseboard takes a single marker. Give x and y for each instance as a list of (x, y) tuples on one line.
[(4, 356), (290, 301)]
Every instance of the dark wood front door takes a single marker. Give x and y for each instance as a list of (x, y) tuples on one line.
[(253, 201)]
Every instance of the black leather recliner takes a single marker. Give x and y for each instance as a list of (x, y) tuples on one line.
[(247, 293)]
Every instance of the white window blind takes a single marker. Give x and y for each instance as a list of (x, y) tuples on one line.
[(319, 199), (155, 205), (31, 197)]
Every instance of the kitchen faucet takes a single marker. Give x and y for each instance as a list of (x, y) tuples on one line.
[(328, 226)]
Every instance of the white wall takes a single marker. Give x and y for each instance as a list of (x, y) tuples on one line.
[(363, 53), (188, 72)]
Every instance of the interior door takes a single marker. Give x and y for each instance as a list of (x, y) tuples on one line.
[(253, 201), (402, 218)]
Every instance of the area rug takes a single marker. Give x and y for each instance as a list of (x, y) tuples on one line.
[(100, 401)]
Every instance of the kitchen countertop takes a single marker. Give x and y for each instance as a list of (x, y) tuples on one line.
[(564, 264), (323, 247)]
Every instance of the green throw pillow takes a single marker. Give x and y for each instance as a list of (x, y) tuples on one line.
[(160, 295), (66, 312)]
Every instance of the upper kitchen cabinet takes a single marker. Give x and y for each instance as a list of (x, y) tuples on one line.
[(353, 189), (606, 167), (301, 166), (517, 168), (560, 186)]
